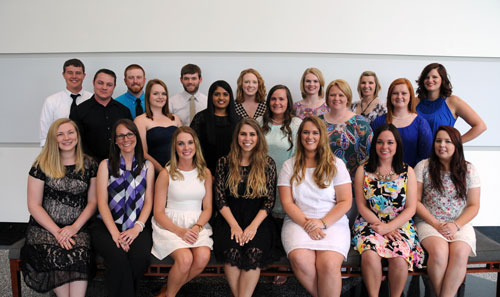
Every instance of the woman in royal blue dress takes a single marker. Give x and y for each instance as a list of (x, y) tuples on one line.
[(440, 107), (413, 128)]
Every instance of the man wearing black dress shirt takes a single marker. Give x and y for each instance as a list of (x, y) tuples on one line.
[(96, 116)]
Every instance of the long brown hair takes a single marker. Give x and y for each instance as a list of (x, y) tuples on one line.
[(458, 165), (444, 90), (198, 160), (256, 183), (289, 114), (412, 105), (147, 94), (325, 160), (49, 159)]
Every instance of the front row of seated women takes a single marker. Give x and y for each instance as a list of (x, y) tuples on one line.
[(315, 191)]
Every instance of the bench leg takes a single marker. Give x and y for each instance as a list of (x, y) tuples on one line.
[(498, 286), (15, 277)]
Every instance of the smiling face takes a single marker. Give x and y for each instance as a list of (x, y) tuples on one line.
[(191, 82), (278, 102), (158, 96), (386, 145), (185, 146), (400, 96), (104, 85), (367, 86), (74, 77), (135, 80), (311, 84), (220, 99), (432, 81), (125, 139), (336, 99), (443, 146), (250, 84), (66, 136), (310, 137), (247, 138)]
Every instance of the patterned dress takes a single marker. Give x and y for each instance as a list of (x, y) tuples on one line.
[(302, 112), (242, 113), (45, 264), (377, 111), (387, 200), (350, 141)]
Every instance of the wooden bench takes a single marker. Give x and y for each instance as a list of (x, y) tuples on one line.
[(486, 261)]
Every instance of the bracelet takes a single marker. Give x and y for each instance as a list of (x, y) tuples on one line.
[(141, 224), (458, 226), (199, 226), (324, 224)]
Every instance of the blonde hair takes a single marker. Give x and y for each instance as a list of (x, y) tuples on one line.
[(344, 87), (49, 159), (198, 160), (325, 160), (256, 183), (375, 78), (261, 90), (316, 72)]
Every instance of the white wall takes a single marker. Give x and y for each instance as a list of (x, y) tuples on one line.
[(426, 27)]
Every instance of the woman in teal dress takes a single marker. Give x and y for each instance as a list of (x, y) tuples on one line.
[(350, 134)]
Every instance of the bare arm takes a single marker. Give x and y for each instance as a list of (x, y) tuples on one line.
[(363, 209), (461, 109), (289, 206), (207, 201), (140, 122), (411, 203), (102, 202), (422, 211), (343, 196)]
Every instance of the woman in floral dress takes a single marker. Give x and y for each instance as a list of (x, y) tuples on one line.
[(448, 190), (385, 190)]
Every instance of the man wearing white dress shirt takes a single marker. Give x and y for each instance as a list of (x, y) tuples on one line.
[(190, 101), (59, 105)]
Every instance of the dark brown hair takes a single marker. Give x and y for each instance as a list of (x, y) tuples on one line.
[(458, 165), (446, 87), (289, 114)]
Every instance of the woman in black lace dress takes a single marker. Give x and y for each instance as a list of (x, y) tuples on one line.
[(245, 188), (61, 199)]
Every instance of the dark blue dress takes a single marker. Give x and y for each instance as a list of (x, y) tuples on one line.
[(159, 141), (436, 113), (417, 139)]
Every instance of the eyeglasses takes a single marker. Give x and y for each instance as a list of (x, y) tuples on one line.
[(129, 135)]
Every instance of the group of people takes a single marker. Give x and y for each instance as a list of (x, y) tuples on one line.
[(281, 175)]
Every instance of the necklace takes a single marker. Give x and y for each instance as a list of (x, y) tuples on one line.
[(402, 118), (385, 177), (364, 109)]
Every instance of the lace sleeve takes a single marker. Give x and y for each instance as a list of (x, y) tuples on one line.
[(220, 183), (37, 173), (268, 202), (198, 122)]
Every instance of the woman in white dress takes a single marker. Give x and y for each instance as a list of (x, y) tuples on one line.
[(315, 190), (182, 208), (448, 190)]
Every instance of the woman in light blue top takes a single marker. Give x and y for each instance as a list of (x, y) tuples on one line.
[(280, 126)]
